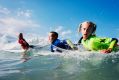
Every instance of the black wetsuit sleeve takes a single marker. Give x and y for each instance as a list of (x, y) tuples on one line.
[(79, 42), (32, 46), (115, 39)]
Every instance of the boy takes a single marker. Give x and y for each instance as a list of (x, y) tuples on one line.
[(55, 42)]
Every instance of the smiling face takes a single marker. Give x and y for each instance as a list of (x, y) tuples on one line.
[(86, 30)]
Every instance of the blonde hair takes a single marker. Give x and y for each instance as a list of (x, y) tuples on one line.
[(91, 24)]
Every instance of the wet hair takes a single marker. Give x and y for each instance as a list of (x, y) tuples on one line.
[(90, 24), (55, 33), (20, 35)]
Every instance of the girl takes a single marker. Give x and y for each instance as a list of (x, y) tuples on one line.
[(93, 43)]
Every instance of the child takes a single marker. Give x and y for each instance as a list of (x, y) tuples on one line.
[(23, 42), (55, 42), (25, 46), (91, 42)]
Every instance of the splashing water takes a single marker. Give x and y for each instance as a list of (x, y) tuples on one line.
[(44, 65)]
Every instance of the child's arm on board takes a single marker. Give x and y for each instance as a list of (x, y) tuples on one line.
[(112, 44), (73, 46)]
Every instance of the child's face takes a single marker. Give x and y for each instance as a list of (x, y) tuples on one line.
[(86, 30), (51, 37)]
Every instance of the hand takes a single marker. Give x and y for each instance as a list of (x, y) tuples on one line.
[(106, 50), (75, 48)]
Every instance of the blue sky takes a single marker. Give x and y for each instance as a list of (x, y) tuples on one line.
[(64, 16)]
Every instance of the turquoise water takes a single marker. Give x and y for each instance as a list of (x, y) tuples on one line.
[(64, 66)]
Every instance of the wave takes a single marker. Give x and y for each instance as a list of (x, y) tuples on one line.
[(80, 64), (10, 41)]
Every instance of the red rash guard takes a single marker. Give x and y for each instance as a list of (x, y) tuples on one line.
[(23, 43)]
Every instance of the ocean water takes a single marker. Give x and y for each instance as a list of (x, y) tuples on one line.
[(69, 65)]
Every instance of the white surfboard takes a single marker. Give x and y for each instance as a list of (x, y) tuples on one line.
[(15, 51)]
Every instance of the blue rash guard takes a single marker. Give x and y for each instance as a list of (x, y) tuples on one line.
[(59, 43)]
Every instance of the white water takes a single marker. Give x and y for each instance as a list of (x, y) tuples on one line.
[(69, 65)]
